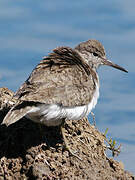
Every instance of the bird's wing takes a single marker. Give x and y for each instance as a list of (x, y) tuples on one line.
[(63, 77)]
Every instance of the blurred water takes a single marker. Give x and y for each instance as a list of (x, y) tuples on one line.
[(30, 29)]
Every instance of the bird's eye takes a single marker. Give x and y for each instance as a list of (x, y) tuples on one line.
[(95, 54)]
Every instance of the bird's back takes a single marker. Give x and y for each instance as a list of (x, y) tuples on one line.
[(63, 77)]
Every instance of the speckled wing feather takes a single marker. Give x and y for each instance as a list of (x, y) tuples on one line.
[(63, 77)]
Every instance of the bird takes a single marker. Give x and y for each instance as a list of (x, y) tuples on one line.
[(64, 85)]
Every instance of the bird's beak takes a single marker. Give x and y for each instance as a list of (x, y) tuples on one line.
[(109, 63)]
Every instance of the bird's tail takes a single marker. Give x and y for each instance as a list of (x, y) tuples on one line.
[(15, 114)]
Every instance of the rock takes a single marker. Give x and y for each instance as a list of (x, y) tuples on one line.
[(6, 98), (30, 152)]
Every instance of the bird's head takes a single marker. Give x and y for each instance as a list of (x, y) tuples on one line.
[(93, 52)]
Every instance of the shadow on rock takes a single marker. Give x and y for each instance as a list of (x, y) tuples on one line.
[(16, 139)]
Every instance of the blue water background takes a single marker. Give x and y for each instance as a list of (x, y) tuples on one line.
[(30, 29)]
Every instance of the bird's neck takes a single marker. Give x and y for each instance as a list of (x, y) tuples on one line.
[(87, 56)]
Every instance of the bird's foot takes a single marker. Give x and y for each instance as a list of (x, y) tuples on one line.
[(66, 143)]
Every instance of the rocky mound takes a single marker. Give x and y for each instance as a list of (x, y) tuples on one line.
[(31, 151)]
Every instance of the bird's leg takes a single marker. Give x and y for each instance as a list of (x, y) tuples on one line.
[(93, 116), (65, 140), (63, 135)]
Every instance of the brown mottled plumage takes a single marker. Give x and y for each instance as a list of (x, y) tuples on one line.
[(66, 78), (63, 77)]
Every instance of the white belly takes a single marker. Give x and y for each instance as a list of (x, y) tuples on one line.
[(52, 115)]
